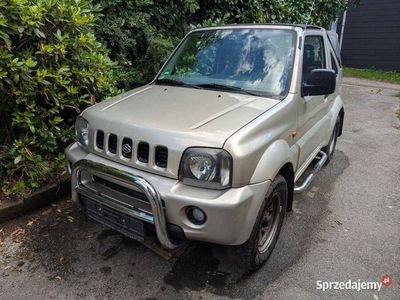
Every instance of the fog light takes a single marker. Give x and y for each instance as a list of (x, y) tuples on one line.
[(196, 216)]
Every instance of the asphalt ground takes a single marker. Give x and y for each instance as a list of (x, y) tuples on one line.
[(343, 233)]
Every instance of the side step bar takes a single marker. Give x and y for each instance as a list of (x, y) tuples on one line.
[(322, 157)]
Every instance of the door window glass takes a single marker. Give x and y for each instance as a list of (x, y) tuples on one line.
[(313, 57)]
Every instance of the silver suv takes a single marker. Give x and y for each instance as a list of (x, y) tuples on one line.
[(213, 148)]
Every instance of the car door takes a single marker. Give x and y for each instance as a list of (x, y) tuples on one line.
[(312, 110)]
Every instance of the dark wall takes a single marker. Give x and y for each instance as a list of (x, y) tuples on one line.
[(372, 35)]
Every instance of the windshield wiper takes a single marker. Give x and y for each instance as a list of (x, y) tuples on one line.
[(176, 83), (227, 88)]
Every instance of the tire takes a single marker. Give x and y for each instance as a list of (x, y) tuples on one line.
[(257, 249), (330, 148)]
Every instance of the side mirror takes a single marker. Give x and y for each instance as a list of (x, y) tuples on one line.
[(320, 82)]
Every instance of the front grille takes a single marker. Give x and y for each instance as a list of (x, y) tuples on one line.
[(143, 152), (129, 148), (161, 156), (100, 139), (112, 143)]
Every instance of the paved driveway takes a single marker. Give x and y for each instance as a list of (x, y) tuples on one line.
[(344, 229)]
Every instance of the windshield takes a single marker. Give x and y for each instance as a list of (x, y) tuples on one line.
[(257, 61)]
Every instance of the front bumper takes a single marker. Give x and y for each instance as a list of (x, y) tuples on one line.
[(230, 213)]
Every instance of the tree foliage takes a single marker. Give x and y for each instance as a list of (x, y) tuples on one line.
[(316, 12), (141, 34), (51, 67)]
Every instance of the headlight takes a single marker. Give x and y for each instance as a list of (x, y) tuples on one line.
[(207, 168), (82, 131)]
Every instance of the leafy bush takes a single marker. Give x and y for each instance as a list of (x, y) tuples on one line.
[(141, 34), (51, 67), (324, 12)]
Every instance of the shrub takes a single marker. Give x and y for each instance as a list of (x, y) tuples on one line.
[(51, 67), (141, 34)]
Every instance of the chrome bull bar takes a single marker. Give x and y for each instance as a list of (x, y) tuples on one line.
[(143, 185)]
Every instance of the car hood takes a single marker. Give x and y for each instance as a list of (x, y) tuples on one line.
[(175, 117), (181, 110)]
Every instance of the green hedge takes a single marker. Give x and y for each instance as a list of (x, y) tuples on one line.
[(141, 34), (51, 67)]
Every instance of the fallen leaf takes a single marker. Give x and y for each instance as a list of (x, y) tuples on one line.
[(18, 231), (58, 277), (70, 219), (61, 259), (31, 221), (19, 234), (6, 267), (47, 212), (28, 151), (54, 205), (59, 210), (1, 243)]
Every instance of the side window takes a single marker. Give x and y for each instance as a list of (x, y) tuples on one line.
[(314, 56), (334, 64)]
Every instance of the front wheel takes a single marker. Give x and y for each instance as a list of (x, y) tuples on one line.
[(257, 249)]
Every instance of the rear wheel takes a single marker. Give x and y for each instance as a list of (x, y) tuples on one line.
[(257, 249), (330, 148)]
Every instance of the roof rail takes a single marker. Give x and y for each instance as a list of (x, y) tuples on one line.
[(304, 26)]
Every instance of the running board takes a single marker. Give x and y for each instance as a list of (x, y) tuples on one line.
[(322, 157)]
